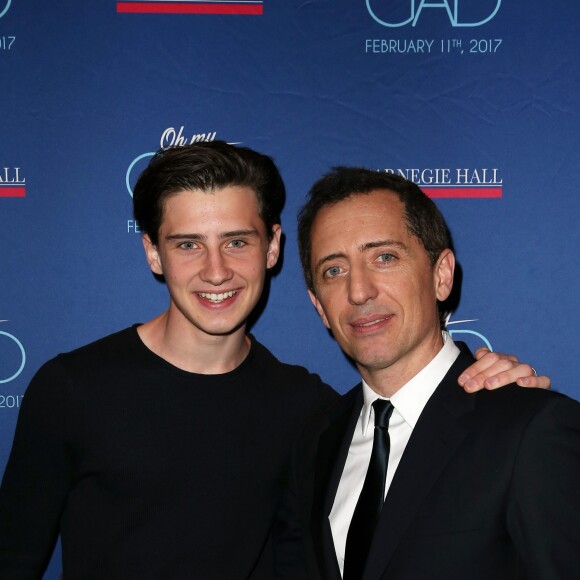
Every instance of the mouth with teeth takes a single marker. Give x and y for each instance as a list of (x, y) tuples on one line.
[(371, 323), (217, 298)]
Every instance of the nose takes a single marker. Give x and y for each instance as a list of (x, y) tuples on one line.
[(216, 270), (361, 287)]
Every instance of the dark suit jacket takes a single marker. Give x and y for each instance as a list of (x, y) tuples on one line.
[(488, 488)]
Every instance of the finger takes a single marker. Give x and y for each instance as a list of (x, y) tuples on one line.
[(539, 382), (510, 375), (482, 351), (485, 368)]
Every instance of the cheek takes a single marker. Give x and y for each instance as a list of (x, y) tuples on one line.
[(425, 305), (178, 271), (172, 277), (419, 289), (253, 271), (329, 310)]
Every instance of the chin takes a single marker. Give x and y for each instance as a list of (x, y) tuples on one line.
[(225, 329), (373, 361)]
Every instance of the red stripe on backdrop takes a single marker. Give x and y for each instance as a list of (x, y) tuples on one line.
[(12, 192), (186, 8), (465, 192)]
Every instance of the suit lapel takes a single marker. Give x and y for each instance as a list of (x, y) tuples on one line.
[(333, 446), (434, 440)]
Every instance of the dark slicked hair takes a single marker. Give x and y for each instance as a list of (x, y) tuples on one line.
[(422, 218), (206, 166)]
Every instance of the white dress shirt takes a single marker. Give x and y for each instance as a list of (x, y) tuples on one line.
[(409, 402)]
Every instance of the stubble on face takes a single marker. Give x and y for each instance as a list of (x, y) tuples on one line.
[(376, 289)]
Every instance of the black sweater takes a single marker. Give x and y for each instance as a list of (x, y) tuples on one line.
[(148, 471)]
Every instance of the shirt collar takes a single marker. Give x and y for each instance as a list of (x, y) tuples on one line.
[(412, 397)]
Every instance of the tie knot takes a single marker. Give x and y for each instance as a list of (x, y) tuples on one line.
[(383, 410)]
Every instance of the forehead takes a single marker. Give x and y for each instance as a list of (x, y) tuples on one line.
[(233, 202), (355, 218)]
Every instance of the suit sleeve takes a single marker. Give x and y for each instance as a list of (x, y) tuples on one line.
[(36, 480), (543, 515)]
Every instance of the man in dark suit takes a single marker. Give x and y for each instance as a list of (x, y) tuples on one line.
[(409, 477)]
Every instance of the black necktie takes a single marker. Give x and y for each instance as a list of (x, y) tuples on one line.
[(372, 496)]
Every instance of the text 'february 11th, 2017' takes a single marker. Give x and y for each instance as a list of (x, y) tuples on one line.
[(432, 46)]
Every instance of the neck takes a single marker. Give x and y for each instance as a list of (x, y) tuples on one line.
[(190, 349)]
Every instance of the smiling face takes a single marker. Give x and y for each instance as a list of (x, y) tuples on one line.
[(213, 252), (375, 287)]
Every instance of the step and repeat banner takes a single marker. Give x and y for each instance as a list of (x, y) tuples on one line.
[(475, 100)]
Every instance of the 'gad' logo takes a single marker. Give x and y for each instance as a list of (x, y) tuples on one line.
[(6, 7), (394, 17), (12, 348)]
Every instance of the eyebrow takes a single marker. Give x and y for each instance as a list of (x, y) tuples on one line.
[(383, 244), (224, 235), (362, 248)]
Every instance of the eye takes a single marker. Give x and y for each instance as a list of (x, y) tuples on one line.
[(188, 245), (385, 258), (236, 244), (332, 272)]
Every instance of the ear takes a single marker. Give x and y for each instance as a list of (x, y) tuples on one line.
[(319, 309), (274, 247), (152, 255), (443, 274)]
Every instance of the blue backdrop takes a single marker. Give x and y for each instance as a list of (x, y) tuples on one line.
[(476, 100)]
